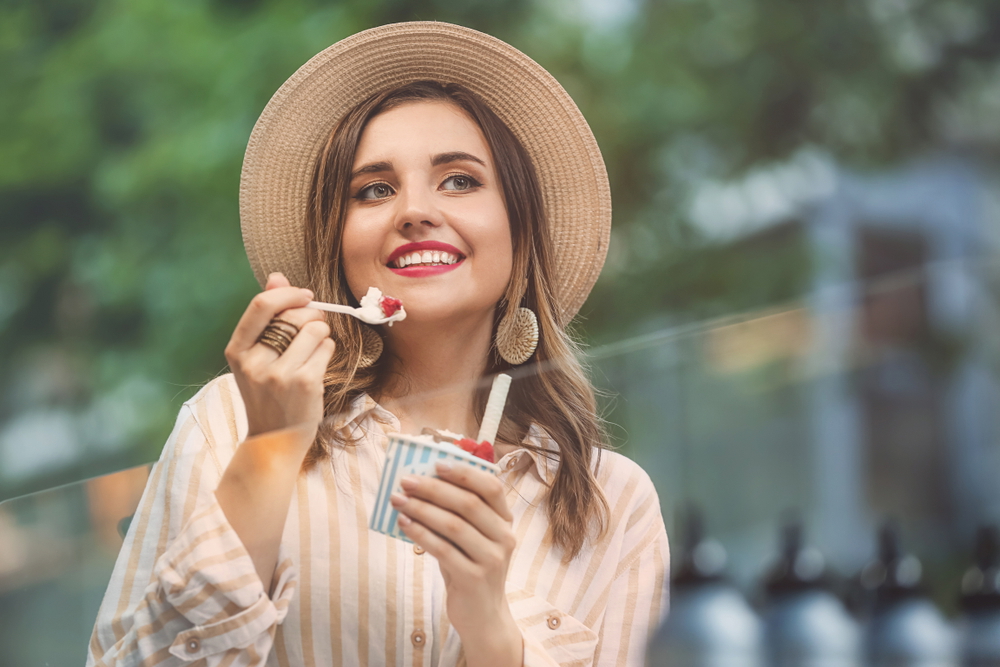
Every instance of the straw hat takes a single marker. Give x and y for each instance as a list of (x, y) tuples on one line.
[(278, 166)]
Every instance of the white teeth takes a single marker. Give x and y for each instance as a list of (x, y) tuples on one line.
[(426, 257)]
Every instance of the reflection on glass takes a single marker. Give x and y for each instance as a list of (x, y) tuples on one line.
[(57, 550), (745, 417)]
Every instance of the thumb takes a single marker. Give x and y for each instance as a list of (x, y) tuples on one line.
[(277, 279)]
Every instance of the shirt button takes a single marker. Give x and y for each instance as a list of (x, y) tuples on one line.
[(417, 549), (418, 638), (554, 622), (193, 645), (512, 462)]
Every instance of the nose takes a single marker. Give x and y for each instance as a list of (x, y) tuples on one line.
[(416, 210)]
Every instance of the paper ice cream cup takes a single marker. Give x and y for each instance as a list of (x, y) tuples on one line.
[(414, 455)]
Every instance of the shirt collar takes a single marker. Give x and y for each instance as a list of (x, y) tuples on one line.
[(361, 408), (545, 459)]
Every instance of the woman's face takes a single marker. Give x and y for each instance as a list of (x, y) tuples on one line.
[(426, 222)]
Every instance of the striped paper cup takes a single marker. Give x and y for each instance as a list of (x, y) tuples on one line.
[(409, 456)]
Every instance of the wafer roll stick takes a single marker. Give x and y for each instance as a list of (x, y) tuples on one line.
[(494, 409)]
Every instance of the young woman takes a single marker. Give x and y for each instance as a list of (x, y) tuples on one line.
[(450, 171)]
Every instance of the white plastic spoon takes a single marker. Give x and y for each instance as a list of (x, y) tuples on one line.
[(370, 311)]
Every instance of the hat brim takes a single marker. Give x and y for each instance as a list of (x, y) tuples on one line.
[(295, 124)]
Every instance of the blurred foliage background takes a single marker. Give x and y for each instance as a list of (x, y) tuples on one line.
[(123, 124), (122, 272)]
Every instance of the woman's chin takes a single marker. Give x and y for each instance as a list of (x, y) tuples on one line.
[(446, 316)]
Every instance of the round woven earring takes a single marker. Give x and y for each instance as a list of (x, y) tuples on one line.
[(371, 347), (517, 336)]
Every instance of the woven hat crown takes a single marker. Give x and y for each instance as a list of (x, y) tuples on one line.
[(296, 123)]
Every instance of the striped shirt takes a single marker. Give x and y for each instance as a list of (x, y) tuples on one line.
[(184, 589)]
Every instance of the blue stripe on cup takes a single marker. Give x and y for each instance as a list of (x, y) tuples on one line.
[(406, 457), (385, 488)]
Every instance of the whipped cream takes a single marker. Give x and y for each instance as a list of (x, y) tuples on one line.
[(371, 307)]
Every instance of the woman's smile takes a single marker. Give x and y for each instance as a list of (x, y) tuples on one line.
[(427, 258)]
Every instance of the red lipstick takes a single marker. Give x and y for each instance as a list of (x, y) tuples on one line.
[(422, 271)]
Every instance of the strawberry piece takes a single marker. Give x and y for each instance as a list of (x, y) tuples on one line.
[(390, 305), (468, 444), (484, 450)]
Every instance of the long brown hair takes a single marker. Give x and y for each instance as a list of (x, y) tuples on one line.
[(551, 390)]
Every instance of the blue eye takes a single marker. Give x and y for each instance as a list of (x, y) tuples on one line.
[(375, 191)]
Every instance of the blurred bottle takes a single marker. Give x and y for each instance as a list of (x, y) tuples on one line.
[(905, 629), (806, 625), (710, 623), (980, 603)]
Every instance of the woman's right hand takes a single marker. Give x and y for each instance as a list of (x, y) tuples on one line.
[(283, 391)]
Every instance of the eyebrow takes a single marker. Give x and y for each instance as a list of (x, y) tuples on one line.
[(454, 156), (437, 160), (373, 168)]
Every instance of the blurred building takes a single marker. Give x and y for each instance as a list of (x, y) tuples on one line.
[(874, 396)]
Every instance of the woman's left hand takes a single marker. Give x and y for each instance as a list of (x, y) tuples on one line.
[(462, 519)]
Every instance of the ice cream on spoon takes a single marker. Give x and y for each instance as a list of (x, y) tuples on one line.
[(375, 305), (376, 308)]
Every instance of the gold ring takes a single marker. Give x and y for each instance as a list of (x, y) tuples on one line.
[(289, 328), (277, 345), (278, 335)]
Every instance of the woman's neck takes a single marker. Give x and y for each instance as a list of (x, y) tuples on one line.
[(434, 375)]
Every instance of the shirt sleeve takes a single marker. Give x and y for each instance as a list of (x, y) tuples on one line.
[(184, 587), (638, 597), (636, 607), (551, 637), (635, 600)]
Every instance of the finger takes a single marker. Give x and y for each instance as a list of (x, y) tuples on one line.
[(263, 354), (476, 546), (277, 279), (449, 556), (302, 347), (302, 316), (483, 484), (319, 363), (262, 308), (457, 500)]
